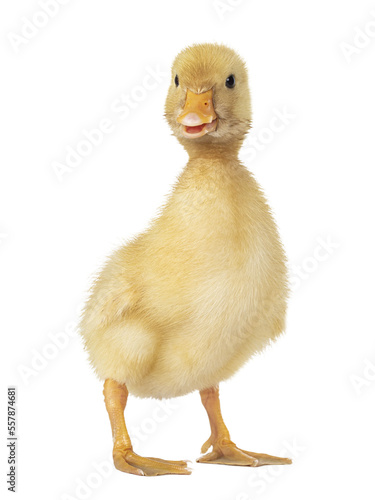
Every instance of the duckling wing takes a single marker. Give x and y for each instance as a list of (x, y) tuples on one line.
[(119, 342)]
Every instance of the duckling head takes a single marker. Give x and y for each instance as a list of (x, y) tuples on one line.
[(208, 101)]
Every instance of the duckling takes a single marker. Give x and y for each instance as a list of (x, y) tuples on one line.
[(185, 304)]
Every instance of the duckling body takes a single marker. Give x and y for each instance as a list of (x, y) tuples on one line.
[(199, 292), (182, 306)]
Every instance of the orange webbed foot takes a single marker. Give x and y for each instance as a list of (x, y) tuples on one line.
[(225, 452), (126, 460)]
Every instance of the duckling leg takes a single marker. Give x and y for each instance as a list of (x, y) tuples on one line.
[(224, 451), (115, 396)]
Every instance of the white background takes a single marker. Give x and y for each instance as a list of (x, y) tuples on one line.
[(311, 395)]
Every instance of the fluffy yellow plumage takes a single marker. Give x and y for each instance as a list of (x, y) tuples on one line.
[(186, 303)]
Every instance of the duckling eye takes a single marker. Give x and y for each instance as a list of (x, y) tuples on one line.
[(230, 82), (176, 81)]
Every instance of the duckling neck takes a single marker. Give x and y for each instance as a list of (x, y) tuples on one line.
[(214, 151)]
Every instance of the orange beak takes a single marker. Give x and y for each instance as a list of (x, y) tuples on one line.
[(198, 116)]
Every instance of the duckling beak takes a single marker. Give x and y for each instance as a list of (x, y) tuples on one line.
[(198, 116)]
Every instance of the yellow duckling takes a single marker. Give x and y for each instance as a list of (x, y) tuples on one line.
[(182, 306)]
